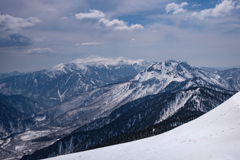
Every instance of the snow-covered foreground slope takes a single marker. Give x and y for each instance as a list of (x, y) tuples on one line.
[(213, 136)]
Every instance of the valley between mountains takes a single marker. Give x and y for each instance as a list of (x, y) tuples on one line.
[(96, 102)]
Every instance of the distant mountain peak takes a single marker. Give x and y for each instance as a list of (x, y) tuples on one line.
[(106, 60), (163, 73), (211, 70), (96, 61), (171, 68)]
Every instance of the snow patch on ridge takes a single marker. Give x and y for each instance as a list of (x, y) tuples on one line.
[(36, 82), (6, 143), (2, 85), (61, 96), (178, 103), (29, 135), (40, 118), (59, 67)]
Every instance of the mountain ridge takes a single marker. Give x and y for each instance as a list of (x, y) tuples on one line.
[(54, 85), (159, 77)]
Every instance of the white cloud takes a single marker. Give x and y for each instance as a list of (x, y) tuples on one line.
[(64, 17), (40, 39), (88, 43), (132, 27), (10, 23), (93, 14), (39, 51), (119, 24), (114, 22), (176, 8), (221, 9), (196, 5)]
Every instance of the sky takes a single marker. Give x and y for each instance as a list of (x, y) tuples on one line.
[(39, 34)]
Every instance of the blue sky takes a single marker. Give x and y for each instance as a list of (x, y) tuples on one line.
[(39, 34)]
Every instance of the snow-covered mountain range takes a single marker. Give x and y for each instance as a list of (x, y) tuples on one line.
[(157, 78), (98, 101), (56, 84), (170, 77), (214, 135), (160, 112)]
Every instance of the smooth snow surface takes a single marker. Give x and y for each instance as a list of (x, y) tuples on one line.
[(213, 136)]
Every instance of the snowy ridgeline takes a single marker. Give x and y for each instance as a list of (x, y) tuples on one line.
[(54, 85), (214, 135)]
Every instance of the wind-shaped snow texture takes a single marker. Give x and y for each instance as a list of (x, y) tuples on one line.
[(54, 85), (213, 136), (158, 78)]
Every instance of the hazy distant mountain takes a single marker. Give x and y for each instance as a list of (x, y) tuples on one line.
[(22, 104), (208, 69), (14, 74), (232, 76)]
